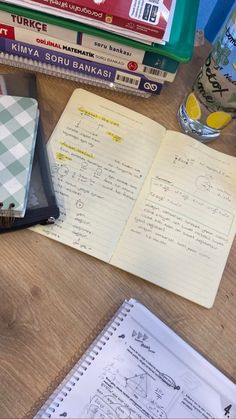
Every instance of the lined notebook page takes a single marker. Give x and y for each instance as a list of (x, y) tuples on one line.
[(139, 368), (100, 154), (183, 224)]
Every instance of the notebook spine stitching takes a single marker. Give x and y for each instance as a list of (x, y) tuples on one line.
[(85, 362)]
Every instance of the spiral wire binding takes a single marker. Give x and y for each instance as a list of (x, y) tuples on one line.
[(53, 70), (7, 215), (80, 368)]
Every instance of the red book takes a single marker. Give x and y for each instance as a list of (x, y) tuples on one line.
[(146, 17)]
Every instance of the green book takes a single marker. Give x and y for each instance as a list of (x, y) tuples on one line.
[(179, 47)]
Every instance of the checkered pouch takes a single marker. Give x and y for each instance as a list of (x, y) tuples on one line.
[(18, 129)]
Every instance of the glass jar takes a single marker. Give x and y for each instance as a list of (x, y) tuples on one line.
[(211, 105)]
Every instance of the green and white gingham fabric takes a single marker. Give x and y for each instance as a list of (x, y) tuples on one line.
[(18, 129)]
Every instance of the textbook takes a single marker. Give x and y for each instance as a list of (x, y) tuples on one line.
[(82, 66), (138, 19), (11, 23), (153, 202), (138, 367), (74, 50), (179, 47), (65, 73)]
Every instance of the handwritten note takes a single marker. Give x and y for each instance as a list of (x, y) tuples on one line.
[(155, 203), (99, 158), (183, 224)]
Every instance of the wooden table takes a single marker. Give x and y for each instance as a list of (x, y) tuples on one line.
[(53, 296)]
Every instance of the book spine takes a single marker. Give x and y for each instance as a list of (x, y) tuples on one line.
[(132, 22), (52, 70), (58, 29), (72, 49), (147, 58), (81, 66)]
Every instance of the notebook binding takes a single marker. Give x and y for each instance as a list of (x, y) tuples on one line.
[(7, 216), (84, 363)]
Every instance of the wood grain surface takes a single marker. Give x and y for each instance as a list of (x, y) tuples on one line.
[(52, 296)]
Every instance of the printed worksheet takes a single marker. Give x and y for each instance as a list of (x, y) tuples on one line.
[(139, 368)]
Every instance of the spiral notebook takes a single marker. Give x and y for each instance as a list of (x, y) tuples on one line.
[(139, 368), (18, 130)]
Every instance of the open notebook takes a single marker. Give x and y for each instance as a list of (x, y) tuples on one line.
[(153, 202), (139, 368), (18, 130)]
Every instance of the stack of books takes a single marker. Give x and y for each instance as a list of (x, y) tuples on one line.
[(131, 45)]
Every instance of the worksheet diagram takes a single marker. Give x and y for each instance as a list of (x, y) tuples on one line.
[(135, 392), (148, 381), (138, 368), (131, 391)]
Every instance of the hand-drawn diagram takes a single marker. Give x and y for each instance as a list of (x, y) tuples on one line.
[(79, 204), (113, 374), (85, 174), (106, 407), (168, 380), (138, 384), (88, 123), (62, 170), (164, 193), (122, 391), (203, 183), (181, 162)]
